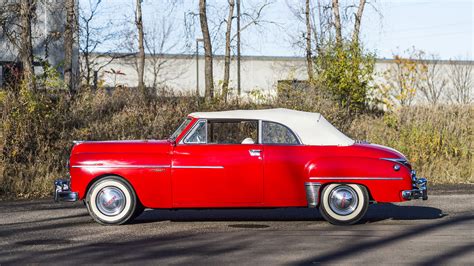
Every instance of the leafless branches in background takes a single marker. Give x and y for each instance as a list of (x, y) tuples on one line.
[(91, 36), (434, 82), (461, 82)]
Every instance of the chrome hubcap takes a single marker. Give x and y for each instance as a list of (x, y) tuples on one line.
[(343, 200), (110, 201)]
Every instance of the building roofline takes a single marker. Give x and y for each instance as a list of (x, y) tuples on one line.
[(273, 58), (428, 61), (187, 56)]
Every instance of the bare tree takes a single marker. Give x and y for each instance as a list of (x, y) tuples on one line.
[(255, 16), (314, 27), (461, 81), (69, 43), (309, 57), (141, 47), (225, 83), (326, 20), (337, 21), (160, 37), (209, 76), (158, 41), (88, 43), (357, 22), (434, 82), (26, 46), (92, 35), (252, 17)]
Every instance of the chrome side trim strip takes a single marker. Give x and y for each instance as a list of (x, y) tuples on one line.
[(197, 167), (121, 166), (151, 166), (355, 178)]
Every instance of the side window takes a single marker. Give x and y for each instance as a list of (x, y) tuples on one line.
[(198, 134), (274, 133), (233, 132)]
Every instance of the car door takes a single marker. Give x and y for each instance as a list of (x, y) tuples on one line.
[(218, 164), (284, 164)]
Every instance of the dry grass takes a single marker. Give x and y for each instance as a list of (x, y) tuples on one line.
[(439, 141), (38, 129)]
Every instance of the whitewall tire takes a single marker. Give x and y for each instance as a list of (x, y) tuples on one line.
[(344, 204), (111, 200)]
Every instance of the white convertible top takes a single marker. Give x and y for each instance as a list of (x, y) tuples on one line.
[(311, 128)]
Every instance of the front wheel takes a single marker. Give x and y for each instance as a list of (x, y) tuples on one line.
[(344, 204), (111, 200)]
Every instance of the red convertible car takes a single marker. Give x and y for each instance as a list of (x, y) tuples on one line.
[(242, 158)]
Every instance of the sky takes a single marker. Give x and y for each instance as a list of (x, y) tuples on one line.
[(443, 28)]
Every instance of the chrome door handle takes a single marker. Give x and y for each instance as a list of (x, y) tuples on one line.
[(255, 152)]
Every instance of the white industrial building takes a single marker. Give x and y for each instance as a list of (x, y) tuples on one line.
[(178, 72)]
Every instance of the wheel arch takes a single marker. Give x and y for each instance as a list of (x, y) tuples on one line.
[(102, 176)]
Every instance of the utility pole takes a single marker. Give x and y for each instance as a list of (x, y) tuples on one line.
[(238, 48)]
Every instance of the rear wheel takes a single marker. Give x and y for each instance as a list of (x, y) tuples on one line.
[(138, 210), (344, 204), (111, 200)]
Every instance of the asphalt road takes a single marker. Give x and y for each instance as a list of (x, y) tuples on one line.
[(437, 231)]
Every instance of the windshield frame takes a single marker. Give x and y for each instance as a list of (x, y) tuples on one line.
[(180, 129)]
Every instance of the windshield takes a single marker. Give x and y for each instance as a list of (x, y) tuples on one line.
[(180, 129)]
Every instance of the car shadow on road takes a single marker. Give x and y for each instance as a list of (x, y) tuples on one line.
[(355, 248), (380, 212), (376, 213)]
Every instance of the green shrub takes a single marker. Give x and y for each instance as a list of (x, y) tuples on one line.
[(346, 72)]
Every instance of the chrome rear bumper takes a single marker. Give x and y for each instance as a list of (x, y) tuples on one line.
[(62, 191), (419, 189)]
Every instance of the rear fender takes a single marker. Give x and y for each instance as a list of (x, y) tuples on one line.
[(378, 176)]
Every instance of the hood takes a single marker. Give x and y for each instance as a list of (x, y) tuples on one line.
[(119, 146)]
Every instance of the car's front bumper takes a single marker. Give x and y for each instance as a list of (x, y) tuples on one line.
[(62, 191), (419, 191)]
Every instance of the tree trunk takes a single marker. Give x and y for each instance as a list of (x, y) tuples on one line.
[(69, 44), (209, 79), (337, 22), (309, 57), (141, 47), (225, 83), (26, 46), (358, 18)]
